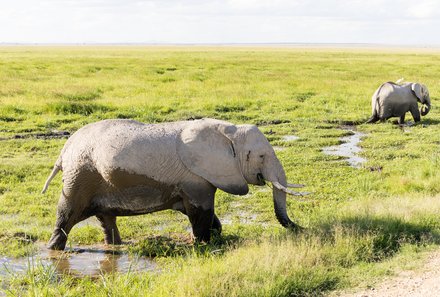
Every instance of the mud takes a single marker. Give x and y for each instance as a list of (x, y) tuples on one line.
[(49, 135), (79, 262), (348, 148), (271, 122)]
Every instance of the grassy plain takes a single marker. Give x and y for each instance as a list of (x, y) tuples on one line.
[(363, 221)]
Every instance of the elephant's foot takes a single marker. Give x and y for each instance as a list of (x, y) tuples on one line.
[(58, 240)]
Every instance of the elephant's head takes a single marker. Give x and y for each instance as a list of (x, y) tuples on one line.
[(231, 157), (422, 94)]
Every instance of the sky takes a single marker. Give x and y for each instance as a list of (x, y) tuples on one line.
[(401, 22)]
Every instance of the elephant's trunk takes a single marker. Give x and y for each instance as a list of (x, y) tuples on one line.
[(276, 175), (425, 109)]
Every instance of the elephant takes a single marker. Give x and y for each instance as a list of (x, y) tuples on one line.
[(123, 167), (394, 100)]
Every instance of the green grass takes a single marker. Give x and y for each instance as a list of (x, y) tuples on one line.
[(360, 221)]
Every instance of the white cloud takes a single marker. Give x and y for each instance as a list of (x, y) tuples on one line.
[(220, 21), (424, 10)]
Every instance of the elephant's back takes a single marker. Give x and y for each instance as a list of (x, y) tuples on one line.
[(138, 149), (390, 89)]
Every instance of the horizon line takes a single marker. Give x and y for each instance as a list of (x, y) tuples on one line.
[(343, 44)]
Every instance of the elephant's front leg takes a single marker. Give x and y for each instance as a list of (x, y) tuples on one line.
[(216, 224), (199, 207), (111, 232), (402, 119), (414, 109), (201, 222)]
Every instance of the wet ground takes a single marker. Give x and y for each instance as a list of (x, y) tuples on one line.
[(91, 261), (348, 148)]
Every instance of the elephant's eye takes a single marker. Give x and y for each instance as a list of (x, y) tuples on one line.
[(262, 156)]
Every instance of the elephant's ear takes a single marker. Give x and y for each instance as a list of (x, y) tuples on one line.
[(417, 90), (208, 152)]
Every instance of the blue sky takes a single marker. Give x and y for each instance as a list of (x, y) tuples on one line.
[(403, 22)]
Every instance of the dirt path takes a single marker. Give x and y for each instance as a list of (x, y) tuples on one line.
[(424, 282)]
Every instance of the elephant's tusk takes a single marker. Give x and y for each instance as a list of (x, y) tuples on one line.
[(295, 185), (287, 191)]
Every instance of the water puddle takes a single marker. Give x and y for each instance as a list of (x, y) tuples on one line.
[(348, 149), (80, 262), (290, 137)]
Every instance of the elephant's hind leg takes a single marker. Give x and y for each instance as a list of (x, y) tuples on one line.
[(373, 119), (68, 214), (111, 232)]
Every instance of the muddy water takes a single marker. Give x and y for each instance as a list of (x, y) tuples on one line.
[(91, 261), (348, 149)]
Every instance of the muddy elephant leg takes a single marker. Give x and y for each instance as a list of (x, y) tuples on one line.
[(216, 225), (199, 207), (68, 214), (372, 119), (201, 222), (402, 119), (111, 232), (415, 112)]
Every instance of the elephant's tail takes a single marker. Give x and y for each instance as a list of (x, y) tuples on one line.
[(54, 172)]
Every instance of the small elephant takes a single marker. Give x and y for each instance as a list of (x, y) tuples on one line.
[(394, 100), (123, 167)]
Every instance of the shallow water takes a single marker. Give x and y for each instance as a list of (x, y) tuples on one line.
[(348, 149), (90, 261), (290, 137)]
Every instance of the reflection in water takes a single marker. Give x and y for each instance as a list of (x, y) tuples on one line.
[(79, 262), (349, 149)]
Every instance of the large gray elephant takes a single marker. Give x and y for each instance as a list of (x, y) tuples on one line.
[(123, 167), (394, 100)]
